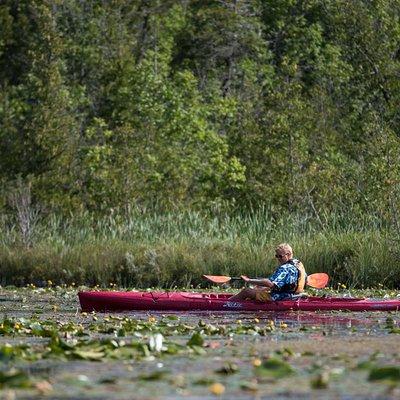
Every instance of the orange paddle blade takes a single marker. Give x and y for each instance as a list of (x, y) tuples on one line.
[(218, 278), (318, 281)]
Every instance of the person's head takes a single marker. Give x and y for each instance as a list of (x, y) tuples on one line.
[(283, 253)]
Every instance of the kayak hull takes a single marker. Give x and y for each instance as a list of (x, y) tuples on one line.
[(105, 301)]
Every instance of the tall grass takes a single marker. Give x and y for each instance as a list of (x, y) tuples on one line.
[(138, 249)]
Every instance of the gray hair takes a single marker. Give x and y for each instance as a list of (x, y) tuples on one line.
[(284, 248)]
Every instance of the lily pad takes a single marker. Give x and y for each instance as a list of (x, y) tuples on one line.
[(274, 368), (154, 376), (387, 373), (14, 378), (198, 350), (91, 355), (172, 317), (249, 386), (366, 364), (196, 340), (228, 368), (205, 381), (321, 381)]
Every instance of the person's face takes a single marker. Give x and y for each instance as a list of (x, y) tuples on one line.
[(283, 257)]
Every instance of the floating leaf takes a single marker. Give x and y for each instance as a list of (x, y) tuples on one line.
[(14, 378), (108, 380), (389, 322), (249, 386), (173, 348), (367, 364), (303, 329), (121, 333), (321, 381), (201, 323), (78, 380), (144, 350), (10, 352), (196, 340), (388, 373), (154, 376), (205, 381), (178, 381), (59, 346), (228, 368), (198, 350), (286, 352), (122, 353), (274, 368)]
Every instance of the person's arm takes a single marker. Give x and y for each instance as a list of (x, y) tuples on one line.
[(259, 282)]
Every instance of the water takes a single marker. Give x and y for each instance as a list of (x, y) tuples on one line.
[(339, 347)]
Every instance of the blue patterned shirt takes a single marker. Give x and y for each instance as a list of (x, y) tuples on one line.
[(285, 279)]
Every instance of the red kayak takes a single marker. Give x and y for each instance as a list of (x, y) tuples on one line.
[(186, 301)]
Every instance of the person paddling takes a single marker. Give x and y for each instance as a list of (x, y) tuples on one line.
[(285, 283)]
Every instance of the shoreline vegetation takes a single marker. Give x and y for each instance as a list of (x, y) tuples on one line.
[(174, 249)]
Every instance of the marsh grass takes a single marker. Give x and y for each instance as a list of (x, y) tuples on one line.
[(174, 249)]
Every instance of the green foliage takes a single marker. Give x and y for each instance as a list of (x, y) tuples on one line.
[(387, 373), (274, 368), (15, 379), (182, 105), (139, 249)]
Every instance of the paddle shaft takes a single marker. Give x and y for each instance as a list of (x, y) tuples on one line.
[(317, 280)]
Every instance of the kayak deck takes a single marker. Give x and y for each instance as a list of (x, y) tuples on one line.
[(104, 301)]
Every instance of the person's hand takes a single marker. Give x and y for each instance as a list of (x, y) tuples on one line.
[(245, 278)]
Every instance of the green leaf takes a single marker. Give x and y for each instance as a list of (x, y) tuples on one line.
[(321, 381), (108, 380), (14, 378), (274, 368), (196, 340), (388, 373), (228, 368), (154, 376), (205, 381), (198, 350), (173, 317), (366, 364), (249, 386), (121, 332)]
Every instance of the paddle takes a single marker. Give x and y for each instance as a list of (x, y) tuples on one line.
[(317, 281)]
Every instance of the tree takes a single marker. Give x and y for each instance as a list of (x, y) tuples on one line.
[(38, 127)]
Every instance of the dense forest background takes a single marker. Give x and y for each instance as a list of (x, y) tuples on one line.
[(183, 104), (188, 105)]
